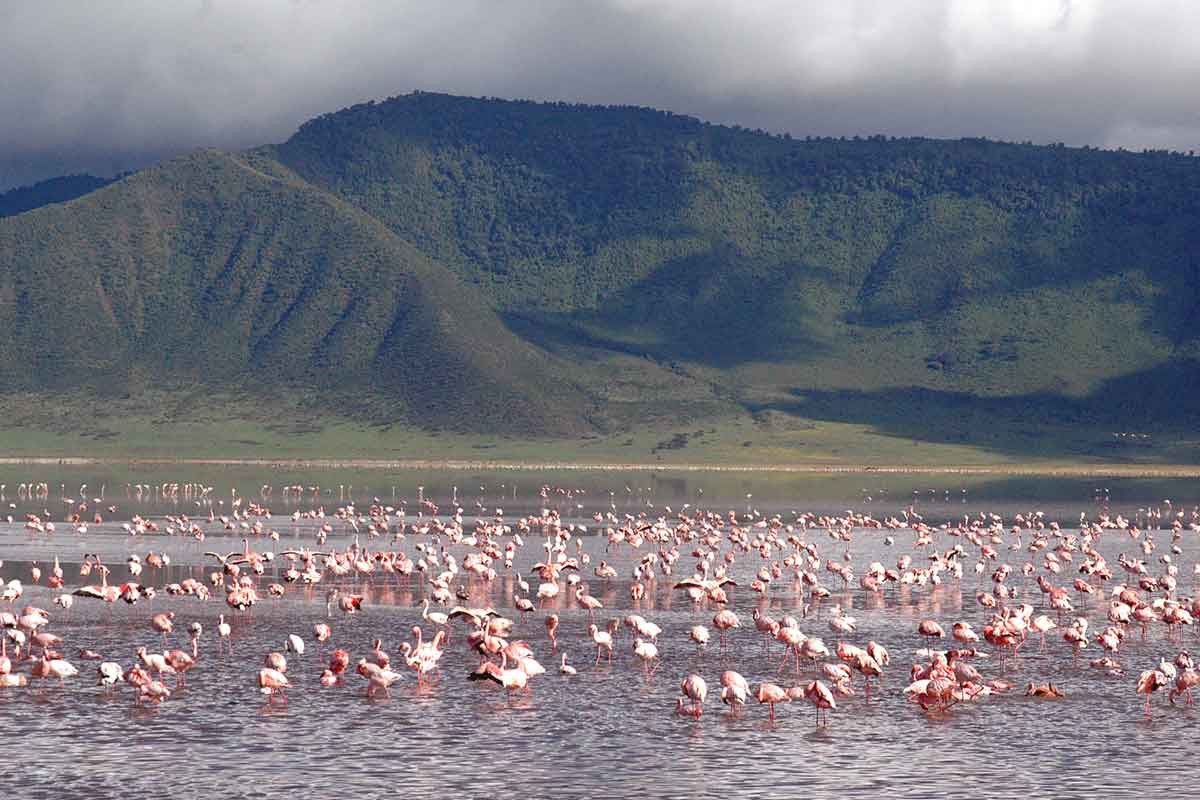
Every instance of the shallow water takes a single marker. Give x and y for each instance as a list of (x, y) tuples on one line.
[(153, 489), (609, 731)]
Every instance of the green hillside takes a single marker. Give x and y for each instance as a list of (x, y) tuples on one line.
[(991, 269), (623, 273), (216, 269)]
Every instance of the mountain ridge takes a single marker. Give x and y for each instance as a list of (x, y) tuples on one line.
[(213, 266), (20, 199), (591, 269)]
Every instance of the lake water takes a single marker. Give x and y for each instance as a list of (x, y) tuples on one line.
[(609, 731)]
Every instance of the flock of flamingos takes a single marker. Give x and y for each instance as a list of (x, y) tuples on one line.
[(687, 553)]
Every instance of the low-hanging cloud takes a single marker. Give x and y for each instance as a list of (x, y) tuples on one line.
[(109, 85)]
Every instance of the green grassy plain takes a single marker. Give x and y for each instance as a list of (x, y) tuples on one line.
[(243, 427)]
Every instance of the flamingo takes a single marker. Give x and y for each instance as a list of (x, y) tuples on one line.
[(60, 669), (194, 632), (695, 690), (647, 652), (276, 661), (962, 632), (841, 624), (1043, 624), (766, 626), (181, 662), (434, 617), (109, 675), (1148, 683), (725, 620), (931, 629), (1187, 679), (379, 657), (65, 601), (603, 641), (339, 660), (155, 661), (587, 601), (821, 697), (154, 691), (98, 592), (771, 694), (734, 690), (378, 677), (272, 682), (509, 679)]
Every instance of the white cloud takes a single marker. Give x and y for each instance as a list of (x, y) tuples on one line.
[(122, 81)]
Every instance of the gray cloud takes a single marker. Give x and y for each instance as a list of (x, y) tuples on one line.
[(103, 86)]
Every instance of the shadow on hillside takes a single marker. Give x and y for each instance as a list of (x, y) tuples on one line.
[(1142, 417), (696, 308)]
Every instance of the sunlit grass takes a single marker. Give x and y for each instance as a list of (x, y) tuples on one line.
[(242, 427)]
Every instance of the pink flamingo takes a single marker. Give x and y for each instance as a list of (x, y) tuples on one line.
[(509, 679), (1185, 681), (822, 699), (272, 682), (1148, 683), (734, 690), (931, 629), (725, 620), (771, 694), (181, 662), (378, 677), (60, 669), (695, 690)]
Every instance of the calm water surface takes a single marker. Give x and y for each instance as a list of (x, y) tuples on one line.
[(608, 731)]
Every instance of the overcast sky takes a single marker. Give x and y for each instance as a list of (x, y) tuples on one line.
[(108, 85)]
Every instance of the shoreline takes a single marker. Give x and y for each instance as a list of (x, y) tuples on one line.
[(1080, 471)]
